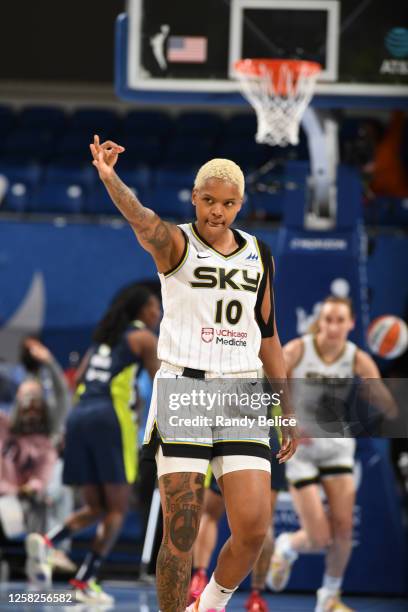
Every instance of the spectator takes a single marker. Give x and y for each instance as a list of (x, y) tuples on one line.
[(27, 445), (27, 453), (40, 364), (388, 176)]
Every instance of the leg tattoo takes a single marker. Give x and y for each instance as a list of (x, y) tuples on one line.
[(182, 497)]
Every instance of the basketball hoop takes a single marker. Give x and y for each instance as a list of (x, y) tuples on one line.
[(279, 91)]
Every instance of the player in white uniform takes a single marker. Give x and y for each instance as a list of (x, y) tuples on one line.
[(327, 354), (218, 321)]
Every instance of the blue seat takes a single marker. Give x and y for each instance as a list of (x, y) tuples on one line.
[(7, 119), (241, 125), (57, 198), (188, 150), (141, 149), (175, 175), (74, 146), (98, 201), (33, 143), (96, 120), (138, 177), (199, 123), (71, 172), (172, 202), (22, 179), (245, 152), (28, 174), (45, 117), (20, 158), (17, 197), (147, 123)]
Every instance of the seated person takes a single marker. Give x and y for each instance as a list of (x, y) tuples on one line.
[(27, 453)]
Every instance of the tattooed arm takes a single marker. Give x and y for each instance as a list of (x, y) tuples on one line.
[(164, 241)]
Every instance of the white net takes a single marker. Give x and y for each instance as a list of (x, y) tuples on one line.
[(280, 92)]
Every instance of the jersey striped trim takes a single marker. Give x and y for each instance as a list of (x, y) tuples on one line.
[(208, 245), (121, 389), (183, 443), (321, 356), (333, 470), (259, 253), (182, 260), (304, 482), (251, 441)]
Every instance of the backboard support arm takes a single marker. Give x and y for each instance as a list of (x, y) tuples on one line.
[(322, 137)]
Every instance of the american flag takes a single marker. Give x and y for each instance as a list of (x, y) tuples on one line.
[(188, 49)]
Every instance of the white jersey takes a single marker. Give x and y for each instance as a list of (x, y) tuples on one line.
[(323, 456), (312, 365), (315, 390), (210, 306)]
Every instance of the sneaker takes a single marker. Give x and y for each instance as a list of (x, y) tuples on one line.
[(38, 567), (91, 592), (256, 603), (197, 585), (194, 607), (280, 567), (327, 602), (60, 562)]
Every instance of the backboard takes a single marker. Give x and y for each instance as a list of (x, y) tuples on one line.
[(183, 51)]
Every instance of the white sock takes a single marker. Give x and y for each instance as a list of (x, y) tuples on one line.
[(331, 585), (214, 596), (285, 549)]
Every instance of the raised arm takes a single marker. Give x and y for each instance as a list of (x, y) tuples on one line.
[(164, 241), (59, 400)]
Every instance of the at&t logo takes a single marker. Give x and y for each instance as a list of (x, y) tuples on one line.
[(396, 42)]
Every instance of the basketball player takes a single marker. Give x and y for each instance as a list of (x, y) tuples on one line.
[(101, 437), (218, 321), (214, 508), (328, 462)]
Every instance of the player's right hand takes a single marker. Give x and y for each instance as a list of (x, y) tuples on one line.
[(105, 156), (289, 442)]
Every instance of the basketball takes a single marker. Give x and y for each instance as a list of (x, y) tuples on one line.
[(387, 337)]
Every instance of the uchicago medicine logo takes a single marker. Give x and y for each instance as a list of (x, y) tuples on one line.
[(224, 336), (207, 334)]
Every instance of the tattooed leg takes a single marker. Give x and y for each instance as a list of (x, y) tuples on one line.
[(182, 500)]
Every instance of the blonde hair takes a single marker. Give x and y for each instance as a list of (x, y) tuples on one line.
[(332, 299), (223, 169)]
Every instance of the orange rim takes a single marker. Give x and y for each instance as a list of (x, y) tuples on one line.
[(256, 67)]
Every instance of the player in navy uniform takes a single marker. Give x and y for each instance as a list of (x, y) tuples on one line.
[(101, 436), (218, 321)]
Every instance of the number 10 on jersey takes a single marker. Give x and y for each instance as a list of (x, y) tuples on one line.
[(233, 311)]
